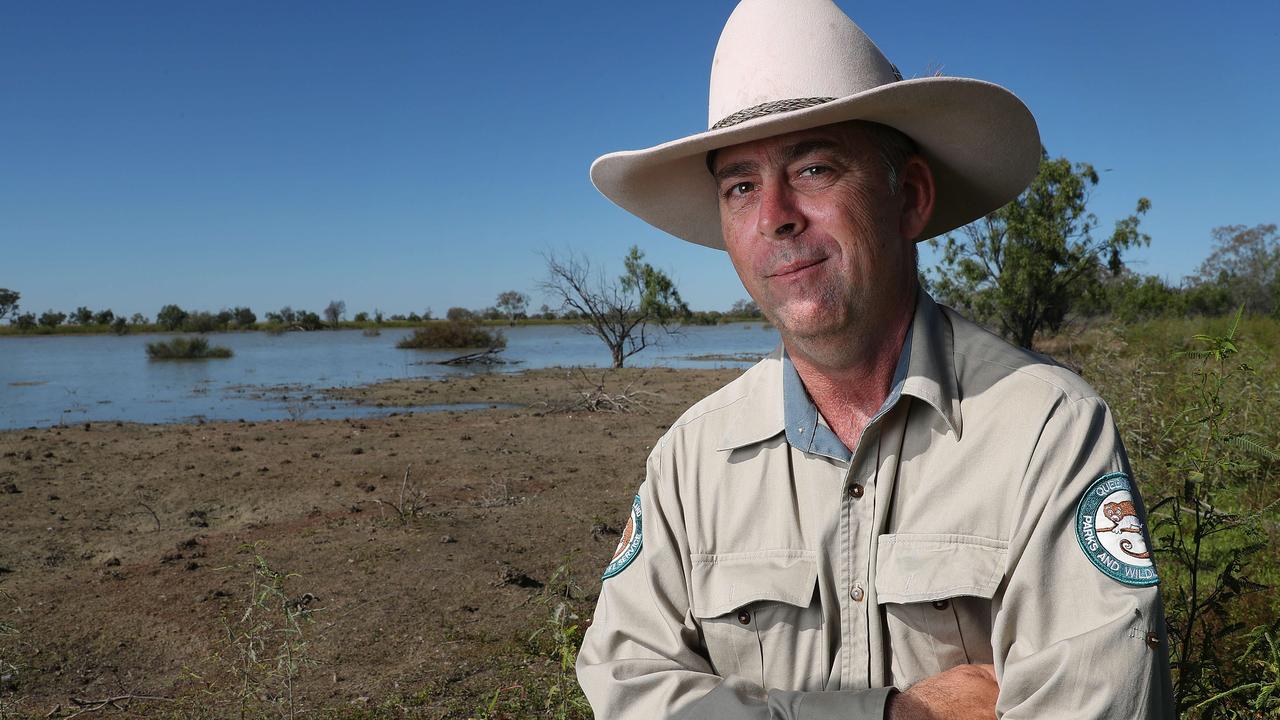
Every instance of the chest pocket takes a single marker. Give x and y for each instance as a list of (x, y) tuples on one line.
[(760, 617), (935, 591)]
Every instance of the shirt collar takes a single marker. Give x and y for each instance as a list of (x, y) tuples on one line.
[(777, 401)]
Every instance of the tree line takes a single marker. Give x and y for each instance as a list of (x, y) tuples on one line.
[(1027, 268)]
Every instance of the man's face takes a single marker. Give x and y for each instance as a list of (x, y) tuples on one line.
[(815, 233)]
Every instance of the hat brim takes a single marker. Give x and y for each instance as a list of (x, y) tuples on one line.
[(980, 140)]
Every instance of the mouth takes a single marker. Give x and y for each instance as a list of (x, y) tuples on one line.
[(795, 267)]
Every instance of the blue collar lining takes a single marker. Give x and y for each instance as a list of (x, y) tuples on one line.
[(805, 430)]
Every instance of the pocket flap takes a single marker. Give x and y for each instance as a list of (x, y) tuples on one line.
[(920, 567), (725, 582)]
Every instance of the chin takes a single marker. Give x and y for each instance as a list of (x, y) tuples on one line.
[(810, 322)]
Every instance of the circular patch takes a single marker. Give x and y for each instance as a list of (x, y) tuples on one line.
[(629, 545), (1112, 534)]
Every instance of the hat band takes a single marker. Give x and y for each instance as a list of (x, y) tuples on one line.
[(769, 108)]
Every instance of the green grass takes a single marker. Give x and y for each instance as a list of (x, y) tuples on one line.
[(1181, 415), (184, 348)]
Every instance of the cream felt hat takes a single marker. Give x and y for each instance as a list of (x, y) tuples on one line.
[(787, 65)]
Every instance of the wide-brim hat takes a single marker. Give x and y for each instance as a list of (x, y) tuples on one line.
[(787, 65)]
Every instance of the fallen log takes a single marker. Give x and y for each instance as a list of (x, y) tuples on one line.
[(484, 357)]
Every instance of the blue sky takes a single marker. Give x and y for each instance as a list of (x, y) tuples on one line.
[(405, 155)]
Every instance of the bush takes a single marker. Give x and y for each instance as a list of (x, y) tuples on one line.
[(171, 317), (25, 321), (51, 319), (453, 334), (182, 348), (243, 317), (203, 322)]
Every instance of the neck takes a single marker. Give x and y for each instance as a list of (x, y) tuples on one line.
[(849, 388)]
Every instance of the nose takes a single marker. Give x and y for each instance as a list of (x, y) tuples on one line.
[(779, 217)]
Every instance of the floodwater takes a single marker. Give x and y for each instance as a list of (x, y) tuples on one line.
[(70, 379)]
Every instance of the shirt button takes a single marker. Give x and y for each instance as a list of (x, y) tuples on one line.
[(857, 593), (941, 604), (855, 491), (744, 617)]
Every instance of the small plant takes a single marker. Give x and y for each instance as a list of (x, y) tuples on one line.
[(181, 348), (1206, 540), (9, 669), (561, 639), (266, 649), (411, 502), (459, 333)]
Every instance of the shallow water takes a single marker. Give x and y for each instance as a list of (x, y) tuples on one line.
[(69, 379)]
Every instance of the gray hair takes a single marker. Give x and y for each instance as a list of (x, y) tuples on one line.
[(894, 147)]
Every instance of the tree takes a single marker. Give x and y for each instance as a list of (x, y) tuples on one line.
[(25, 321), (51, 319), (1246, 262), (120, 326), (745, 308), (82, 316), (308, 320), (512, 303), (243, 317), (455, 314), (335, 311), (618, 312), (361, 317), (1022, 267), (201, 321), (138, 319), (104, 317), (9, 303), (171, 317)]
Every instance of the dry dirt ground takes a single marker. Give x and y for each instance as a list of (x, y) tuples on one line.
[(126, 550)]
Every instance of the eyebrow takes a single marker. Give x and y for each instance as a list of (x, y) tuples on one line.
[(742, 167), (790, 154)]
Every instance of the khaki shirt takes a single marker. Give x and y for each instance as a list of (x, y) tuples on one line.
[(771, 579)]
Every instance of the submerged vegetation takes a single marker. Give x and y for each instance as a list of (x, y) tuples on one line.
[(453, 334), (182, 348)]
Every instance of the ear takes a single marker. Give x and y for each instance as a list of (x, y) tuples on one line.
[(918, 194)]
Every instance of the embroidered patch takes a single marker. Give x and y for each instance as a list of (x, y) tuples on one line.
[(629, 546), (1111, 534)]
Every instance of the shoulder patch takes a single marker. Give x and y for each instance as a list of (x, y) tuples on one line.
[(1111, 533), (629, 545)]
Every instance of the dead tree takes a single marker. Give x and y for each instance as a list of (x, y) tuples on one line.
[(620, 312)]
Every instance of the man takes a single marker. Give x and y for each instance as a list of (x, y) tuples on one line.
[(896, 514)]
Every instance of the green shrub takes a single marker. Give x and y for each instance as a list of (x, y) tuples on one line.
[(453, 334), (181, 348)]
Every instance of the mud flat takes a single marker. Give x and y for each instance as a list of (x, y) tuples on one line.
[(125, 549)]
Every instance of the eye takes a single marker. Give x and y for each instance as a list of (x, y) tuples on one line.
[(741, 188), (815, 170)]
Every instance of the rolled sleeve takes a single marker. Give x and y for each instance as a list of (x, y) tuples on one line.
[(1069, 640)]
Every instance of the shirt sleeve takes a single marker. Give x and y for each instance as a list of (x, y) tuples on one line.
[(642, 656), (1070, 639)]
